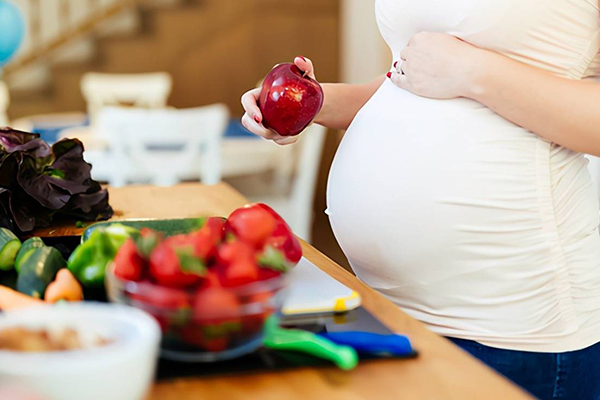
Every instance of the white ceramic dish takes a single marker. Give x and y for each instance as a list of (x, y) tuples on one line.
[(121, 370)]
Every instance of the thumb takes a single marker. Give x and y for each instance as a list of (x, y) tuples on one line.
[(306, 65), (399, 80)]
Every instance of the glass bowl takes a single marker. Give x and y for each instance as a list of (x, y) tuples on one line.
[(212, 332)]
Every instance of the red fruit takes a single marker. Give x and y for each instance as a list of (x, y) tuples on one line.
[(232, 251), (195, 335), (215, 226), (211, 280), (241, 272), (165, 304), (253, 323), (216, 305), (163, 297), (267, 273), (206, 239), (128, 263), (289, 100), (172, 263), (285, 240), (251, 224), (237, 262)]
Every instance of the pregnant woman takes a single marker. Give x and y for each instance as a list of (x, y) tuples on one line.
[(460, 190)]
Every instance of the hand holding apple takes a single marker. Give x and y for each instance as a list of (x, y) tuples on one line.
[(286, 109)]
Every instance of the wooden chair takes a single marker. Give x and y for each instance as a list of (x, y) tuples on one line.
[(162, 147)]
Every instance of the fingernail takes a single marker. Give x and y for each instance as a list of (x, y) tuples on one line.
[(257, 119), (395, 64), (302, 57), (389, 74)]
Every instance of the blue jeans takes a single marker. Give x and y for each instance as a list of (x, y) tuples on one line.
[(573, 375)]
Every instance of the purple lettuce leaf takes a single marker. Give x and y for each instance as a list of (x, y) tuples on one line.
[(11, 139), (39, 182), (69, 170)]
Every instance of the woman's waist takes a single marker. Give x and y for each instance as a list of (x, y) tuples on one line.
[(393, 106)]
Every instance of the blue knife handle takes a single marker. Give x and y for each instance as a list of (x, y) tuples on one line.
[(372, 343)]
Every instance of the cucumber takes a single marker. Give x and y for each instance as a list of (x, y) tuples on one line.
[(169, 227), (39, 270), (26, 250), (9, 246)]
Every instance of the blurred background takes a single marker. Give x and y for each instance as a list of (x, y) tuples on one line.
[(176, 70)]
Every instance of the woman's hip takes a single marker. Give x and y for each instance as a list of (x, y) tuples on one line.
[(571, 375)]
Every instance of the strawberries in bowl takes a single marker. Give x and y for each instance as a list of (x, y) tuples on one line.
[(211, 290)]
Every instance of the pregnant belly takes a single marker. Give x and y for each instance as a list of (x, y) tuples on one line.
[(424, 191)]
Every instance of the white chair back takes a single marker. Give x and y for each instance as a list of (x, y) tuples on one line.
[(4, 103), (139, 90), (164, 147), (292, 192), (304, 183)]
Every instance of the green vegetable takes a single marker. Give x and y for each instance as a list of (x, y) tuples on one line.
[(88, 261), (9, 246), (39, 270), (26, 250), (169, 227)]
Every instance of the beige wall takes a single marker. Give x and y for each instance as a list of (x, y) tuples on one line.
[(364, 52)]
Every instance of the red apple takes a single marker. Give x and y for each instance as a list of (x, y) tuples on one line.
[(289, 100)]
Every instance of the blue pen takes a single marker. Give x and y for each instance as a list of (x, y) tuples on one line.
[(372, 343)]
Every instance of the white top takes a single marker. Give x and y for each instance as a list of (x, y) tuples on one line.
[(473, 225)]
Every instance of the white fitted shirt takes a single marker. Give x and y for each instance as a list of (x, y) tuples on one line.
[(470, 223)]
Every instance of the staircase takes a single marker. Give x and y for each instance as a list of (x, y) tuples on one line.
[(214, 49)]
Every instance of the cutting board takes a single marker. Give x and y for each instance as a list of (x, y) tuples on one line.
[(312, 291)]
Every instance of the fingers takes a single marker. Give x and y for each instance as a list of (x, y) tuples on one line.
[(404, 53), (260, 130), (306, 65), (250, 104), (257, 128), (400, 80), (286, 140)]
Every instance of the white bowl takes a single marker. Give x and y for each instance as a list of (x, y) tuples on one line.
[(121, 370)]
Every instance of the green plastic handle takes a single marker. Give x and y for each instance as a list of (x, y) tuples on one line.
[(277, 338)]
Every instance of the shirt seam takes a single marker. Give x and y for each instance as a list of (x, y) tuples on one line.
[(562, 267)]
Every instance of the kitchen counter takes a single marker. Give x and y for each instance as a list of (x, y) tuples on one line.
[(441, 372)]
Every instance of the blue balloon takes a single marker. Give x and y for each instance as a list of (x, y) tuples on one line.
[(12, 30)]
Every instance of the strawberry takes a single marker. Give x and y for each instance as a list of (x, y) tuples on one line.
[(251, 224), (173, 263), (128, 263), (237, 263)]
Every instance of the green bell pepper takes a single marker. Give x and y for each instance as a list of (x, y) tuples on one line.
[(89, 260)]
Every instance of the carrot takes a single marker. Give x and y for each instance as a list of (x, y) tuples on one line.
[(13, 300), (64, 287)]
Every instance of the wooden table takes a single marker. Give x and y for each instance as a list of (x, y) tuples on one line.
[(441, 372)]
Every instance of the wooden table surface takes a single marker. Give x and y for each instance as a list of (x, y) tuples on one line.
[(441, 372)]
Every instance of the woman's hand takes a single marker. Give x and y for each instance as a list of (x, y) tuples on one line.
[(436, 65), (253, 118)]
